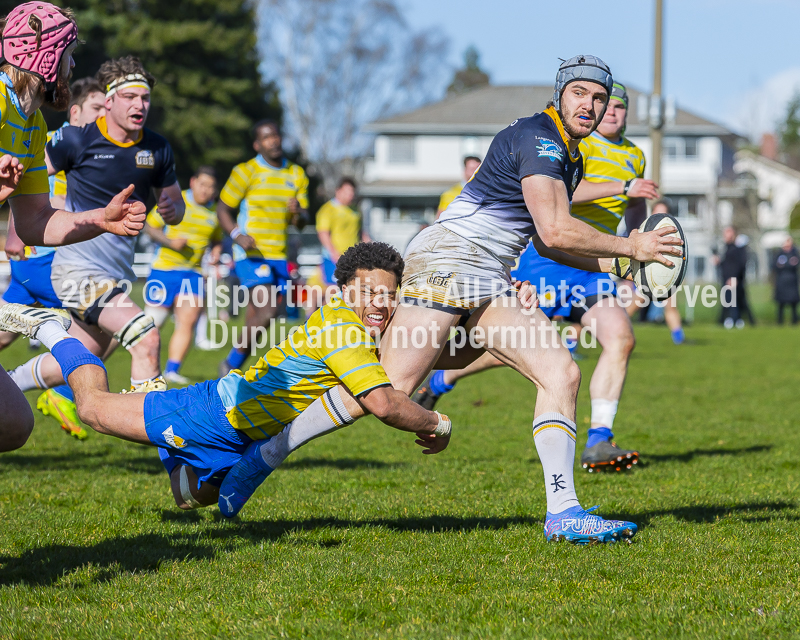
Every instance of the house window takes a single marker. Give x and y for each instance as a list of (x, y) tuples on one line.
[(681, 148), (402, 150), (687, 206)]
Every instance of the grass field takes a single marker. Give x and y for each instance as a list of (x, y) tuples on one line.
[(359, 535)]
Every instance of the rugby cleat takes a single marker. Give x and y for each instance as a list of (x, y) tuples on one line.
[(579, 526), (242, 480), (153, 384), (424, 397), (607, 456), (20, 318), (51, 403)]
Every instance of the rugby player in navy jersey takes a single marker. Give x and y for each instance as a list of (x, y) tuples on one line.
[(93, 278), (457, 271)]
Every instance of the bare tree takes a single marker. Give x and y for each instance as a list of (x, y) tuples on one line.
[(342, 63)]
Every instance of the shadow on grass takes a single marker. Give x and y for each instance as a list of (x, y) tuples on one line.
[(143, 553), (708, 514), (340, 463), (76, 460), (688, 456)]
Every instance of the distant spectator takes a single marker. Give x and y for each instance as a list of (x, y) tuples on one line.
[(786, 287), (733, 266)]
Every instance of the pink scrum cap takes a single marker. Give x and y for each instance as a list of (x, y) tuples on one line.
[(34, 39)]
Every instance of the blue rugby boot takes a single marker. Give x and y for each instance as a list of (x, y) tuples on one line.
[(580, 526), (243, 479)]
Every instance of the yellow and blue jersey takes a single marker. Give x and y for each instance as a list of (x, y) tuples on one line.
[(343, 223), (199, 226), (332, 348), (448, 196), (24, 138), (603, 161), (262, 192)]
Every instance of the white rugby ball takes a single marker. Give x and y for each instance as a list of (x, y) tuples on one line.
[(655, 280)]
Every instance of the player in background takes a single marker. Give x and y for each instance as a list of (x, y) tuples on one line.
[(269, 192), (30, 266), (672, 317), (613, 188), (204, 429), (92, 278), (457, 270), (36, 62), (175, 283), (339, 227), (471, 164)]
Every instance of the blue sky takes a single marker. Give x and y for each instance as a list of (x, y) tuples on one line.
[(733, 61)]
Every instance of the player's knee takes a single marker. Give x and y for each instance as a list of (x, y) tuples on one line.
[(16, 428), (622, 341), (572, 377), (139, 334)]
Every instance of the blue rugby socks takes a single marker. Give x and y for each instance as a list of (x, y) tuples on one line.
[(236, 358), (174, 366), (437, 384), (64, 391), (678, 337), (600, 434), (71, 354)]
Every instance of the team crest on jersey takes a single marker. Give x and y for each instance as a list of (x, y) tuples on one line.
[(56, 137), (27, 144), (440, 278), (172, 440), (629, 164), (145, 159), (549, 149), (263, 271)]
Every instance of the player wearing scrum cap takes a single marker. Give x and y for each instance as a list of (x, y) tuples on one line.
[(92, 279), (613, 188), (458, 270), (36, 48)]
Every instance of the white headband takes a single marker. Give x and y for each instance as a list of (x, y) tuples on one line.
[(131, 80)]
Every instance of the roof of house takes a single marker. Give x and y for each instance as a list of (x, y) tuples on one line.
[(487, 110)]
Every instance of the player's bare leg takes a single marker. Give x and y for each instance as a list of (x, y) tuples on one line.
[(187, 311), (610, 323), (261, 308), (673, 319), (145, 345)]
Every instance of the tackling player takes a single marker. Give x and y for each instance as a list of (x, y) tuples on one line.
[(613, 188), (36, 48), (457, 270), (176, 279), (92, 278), (204, 429), (471, 164), (270, 193)]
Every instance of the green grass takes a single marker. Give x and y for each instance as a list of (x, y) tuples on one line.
[(359, 535)]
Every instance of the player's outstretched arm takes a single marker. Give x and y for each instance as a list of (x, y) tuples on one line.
[(395, 408), (227, 220), (548, 204), (589, 190), (171, 206), (10, 174), (38, 223)]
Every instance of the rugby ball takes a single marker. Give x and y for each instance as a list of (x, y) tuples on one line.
[(654, 279)]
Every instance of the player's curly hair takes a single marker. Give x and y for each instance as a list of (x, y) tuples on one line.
[(118, 68), (368, 256)]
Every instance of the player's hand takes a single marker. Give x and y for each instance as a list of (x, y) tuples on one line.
[(293, 206), (656, 245), (167, 210), (245, 242), (432, 444), (15, 248), (641, 188), (526, 294), (10, 174), (178, 244), (124, 217)]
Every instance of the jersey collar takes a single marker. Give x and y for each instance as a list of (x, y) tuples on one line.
[(600, 137), (13, 95), (551, 111), (102, 125), (267, 165)]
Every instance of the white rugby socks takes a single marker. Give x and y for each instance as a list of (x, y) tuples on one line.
[(51, 333), (29, 375), (325, 415), (554, 437)]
